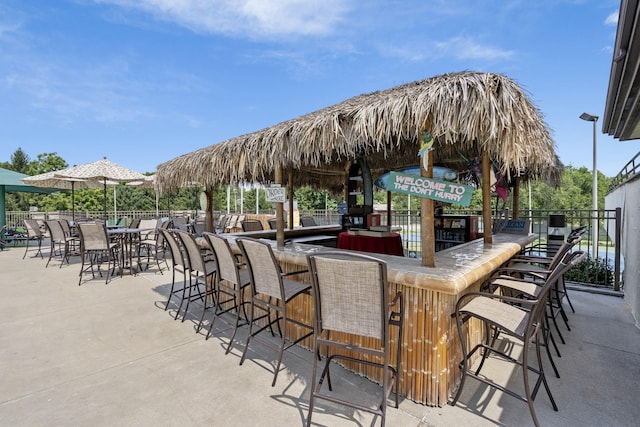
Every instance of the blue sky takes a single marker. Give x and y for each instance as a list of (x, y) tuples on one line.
[(144, 81)]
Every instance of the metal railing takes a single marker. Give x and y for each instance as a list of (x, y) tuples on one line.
[(408, 222), (630, 170)]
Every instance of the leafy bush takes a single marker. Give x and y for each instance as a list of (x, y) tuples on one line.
[(597, 272)]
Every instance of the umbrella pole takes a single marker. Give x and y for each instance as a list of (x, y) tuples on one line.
[(105, 200), (73, 202)]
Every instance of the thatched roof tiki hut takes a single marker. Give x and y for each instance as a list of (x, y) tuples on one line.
[(469, 115)]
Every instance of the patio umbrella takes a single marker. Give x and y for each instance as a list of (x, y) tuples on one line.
[(103, 171), (49, 179), (11, 181)]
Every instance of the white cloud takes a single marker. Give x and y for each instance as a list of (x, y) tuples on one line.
[(249, 18), (466, 48), (612, 19)]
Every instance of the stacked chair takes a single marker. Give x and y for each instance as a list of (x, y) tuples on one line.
[(517, 308), (531, 265)]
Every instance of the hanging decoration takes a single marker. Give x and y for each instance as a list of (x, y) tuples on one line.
[(426, 145), (498, 180)]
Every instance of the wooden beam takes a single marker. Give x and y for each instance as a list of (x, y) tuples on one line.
[(389, 217), (290, 195), (516, 199), (427, 224), (208, 191), (279, 210), (486, 198)]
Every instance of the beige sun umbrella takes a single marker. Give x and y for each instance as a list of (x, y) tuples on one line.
[(102, 171), (50, 180)]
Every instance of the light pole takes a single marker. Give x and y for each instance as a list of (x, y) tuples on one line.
[(593, 118)]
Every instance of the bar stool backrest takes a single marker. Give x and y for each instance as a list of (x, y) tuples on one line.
[(225, 259), (93, 236), (266, 276), (350, 293)]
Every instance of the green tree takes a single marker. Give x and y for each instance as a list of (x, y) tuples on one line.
[(47, 162), (20, 161)]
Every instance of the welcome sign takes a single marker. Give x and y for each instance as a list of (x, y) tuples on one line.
[(443, 191)]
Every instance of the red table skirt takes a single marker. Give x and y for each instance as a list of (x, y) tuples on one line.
[(390, 245)]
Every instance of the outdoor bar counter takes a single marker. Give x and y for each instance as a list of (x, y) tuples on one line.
[(430, 344)]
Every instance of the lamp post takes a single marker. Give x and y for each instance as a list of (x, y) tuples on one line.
[(593, 118)]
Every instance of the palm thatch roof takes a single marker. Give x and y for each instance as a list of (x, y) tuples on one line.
[(467, 113)]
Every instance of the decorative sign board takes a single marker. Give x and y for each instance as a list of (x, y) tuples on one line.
[(444, 191), (511, 226), (276, 194)]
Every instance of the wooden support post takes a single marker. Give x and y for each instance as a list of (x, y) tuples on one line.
[(208, 191), (427, 224), (279, 210), (290, 195), (389, 218), (486, 198), (516, 199)]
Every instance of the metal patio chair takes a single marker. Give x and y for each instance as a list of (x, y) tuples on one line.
[(251, 225), (229, 287), (62, 244), (33, 232), (271, 292), (308, 221), (200, 272), (95, 247), (180, 263), (351, 296)]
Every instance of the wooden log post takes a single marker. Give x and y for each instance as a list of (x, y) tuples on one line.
[(515, 209), (279, 210), (427, 222), (290, 196), (486, 198), (208, 191)]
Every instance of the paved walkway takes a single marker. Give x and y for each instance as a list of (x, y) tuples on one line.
[(109, 355)]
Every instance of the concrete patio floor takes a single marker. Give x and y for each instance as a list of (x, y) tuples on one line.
[(109, 355)]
